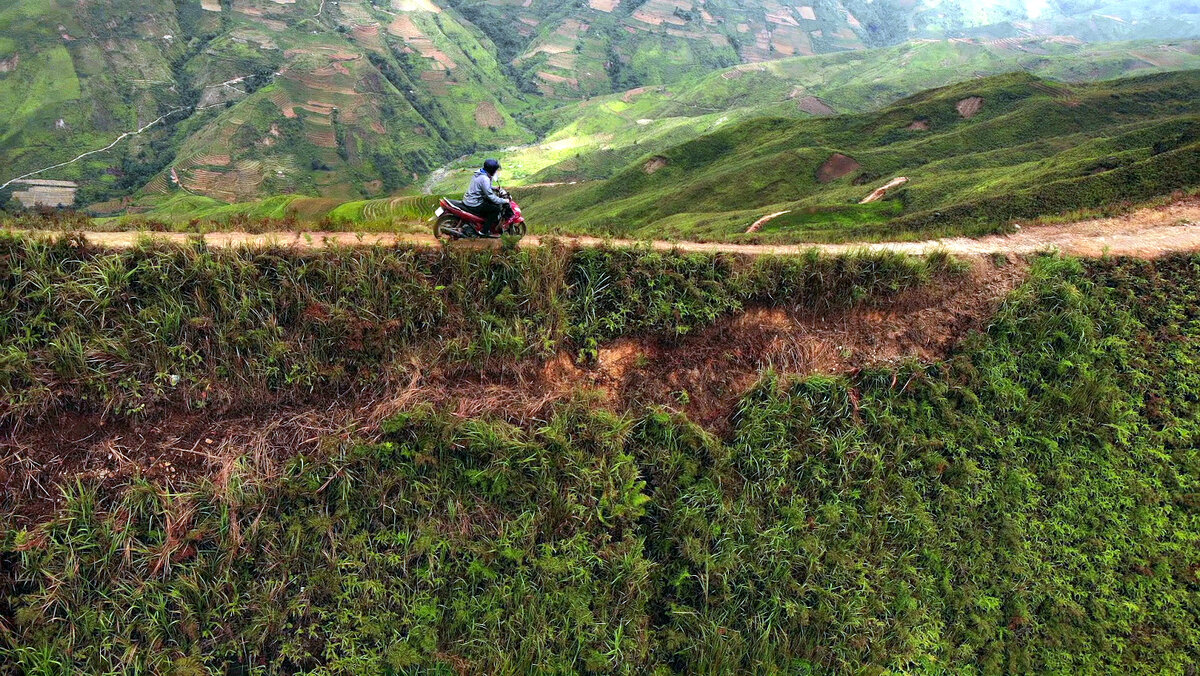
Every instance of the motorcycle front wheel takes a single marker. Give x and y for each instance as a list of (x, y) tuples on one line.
[(518, 229)]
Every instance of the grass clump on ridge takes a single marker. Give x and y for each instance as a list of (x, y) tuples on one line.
[(1027, 506), (121, 332)]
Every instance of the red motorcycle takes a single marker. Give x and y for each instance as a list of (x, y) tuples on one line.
[(452, 218)]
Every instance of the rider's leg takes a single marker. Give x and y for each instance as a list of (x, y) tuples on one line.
[(491, 217), (483, 211)]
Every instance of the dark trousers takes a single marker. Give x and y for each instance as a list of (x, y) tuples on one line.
[(489, 212)]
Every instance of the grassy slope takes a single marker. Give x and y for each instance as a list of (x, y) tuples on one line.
[(339, 314), (393, 121), (1030, 506), (191, 213), (400, 112), (1035, 148), (123, 71), (62, 73), (570, 50), (594, 138)]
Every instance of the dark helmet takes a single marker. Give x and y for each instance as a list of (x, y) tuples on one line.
[(491, 166)]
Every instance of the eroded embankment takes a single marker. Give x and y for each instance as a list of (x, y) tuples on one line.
[(179, 363)]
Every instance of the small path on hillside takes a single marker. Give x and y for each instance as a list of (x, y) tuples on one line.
[(141, 130), (1145, 233)]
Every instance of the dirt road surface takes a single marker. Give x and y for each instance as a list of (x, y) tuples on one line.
[(1145, 233)]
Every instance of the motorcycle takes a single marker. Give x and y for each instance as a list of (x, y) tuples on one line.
[(451, 219)]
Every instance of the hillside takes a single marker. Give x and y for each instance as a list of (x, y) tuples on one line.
[(568, 49), (977, 155), (243, 99), (595, 138), (393, 460), (252, 97)]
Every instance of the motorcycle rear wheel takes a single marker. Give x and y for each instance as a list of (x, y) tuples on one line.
[(451, 223)]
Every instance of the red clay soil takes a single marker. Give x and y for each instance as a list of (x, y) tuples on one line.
[(837, 166), (702, 375)]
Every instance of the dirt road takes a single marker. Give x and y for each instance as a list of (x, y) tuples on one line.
[(1145, 233)]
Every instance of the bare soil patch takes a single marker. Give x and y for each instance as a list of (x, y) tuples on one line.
[(882, 191), (487, 116), (758, 225), (629, 96), (970, 107), (814, 106), (837, 166), (654, 164)]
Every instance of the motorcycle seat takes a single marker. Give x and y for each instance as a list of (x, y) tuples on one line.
[(458, 204)]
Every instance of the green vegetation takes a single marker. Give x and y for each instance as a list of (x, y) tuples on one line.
[(1029, 505), (593, 139), (123, 332), (61, 95), (258, 100), (1034, 148), (193, 213), (358, 100)]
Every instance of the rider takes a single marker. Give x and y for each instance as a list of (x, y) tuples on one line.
[(481, 201)]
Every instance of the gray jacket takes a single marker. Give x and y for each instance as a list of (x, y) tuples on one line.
[(480, 190)]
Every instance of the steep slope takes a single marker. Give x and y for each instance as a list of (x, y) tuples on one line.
[(568, 49), (73, 76), (339, 99), (571, 49), (238, 99), (981, 152), (358, 110), (1023, 501)]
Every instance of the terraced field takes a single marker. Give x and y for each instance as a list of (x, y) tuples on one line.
[(360, 99), (290, 97)]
